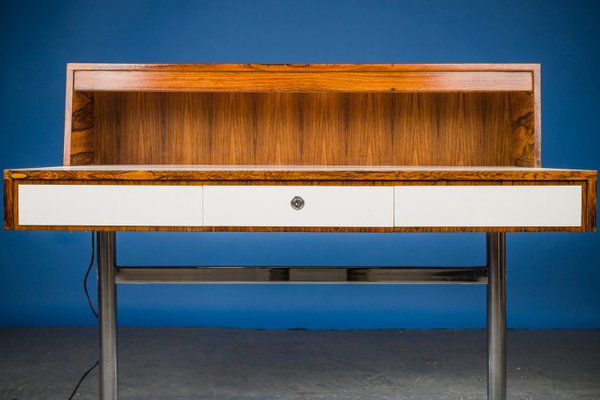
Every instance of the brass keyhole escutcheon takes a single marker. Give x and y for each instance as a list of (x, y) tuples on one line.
[(297, 203)]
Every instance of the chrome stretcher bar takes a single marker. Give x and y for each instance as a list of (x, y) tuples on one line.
[(477, 275), (493, 274)]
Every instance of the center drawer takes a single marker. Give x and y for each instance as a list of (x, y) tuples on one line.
[(327, 206)]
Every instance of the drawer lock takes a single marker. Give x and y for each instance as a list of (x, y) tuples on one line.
[(297, 203)]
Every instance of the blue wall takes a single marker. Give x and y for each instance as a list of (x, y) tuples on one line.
[(553, 279)]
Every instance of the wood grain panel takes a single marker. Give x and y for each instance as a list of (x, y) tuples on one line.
[(184, 120), (150, 139), (459, 129), (522, 115), (323, 124), (251, 173), (109, 123), (82, 138), (231, 131), (452, 148), (68, 115), (537, 118), (412, 115), (591, 201), (9, 203), (305, 81), (278, 127), (139, 128), (438, 114), (495, 118), (369, 130), (467, 129)]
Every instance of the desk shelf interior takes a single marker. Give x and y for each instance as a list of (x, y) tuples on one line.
[(316, 128)]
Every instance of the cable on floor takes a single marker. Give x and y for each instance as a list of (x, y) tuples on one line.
[(87, 294)]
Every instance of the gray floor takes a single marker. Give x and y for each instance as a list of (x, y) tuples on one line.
[(198, 363)]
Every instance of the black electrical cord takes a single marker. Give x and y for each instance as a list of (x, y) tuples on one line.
[(85, 278), (83, 378), (87, 294)]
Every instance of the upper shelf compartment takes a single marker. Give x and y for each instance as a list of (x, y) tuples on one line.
[(305, 78), (365, 115)]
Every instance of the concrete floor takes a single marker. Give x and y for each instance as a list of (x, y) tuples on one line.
[(200, 363)]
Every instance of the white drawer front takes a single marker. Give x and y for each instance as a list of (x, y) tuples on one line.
[(343, 206), (492, 206), (110, 205)]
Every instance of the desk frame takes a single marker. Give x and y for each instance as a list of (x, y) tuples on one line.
[(318, 125), (493, 274)]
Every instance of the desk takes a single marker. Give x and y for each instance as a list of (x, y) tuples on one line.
[(315, 148)]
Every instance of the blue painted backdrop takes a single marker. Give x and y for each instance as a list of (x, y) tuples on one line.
[(553, 279)]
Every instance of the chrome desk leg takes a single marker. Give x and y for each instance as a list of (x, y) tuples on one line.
[(107, 314), (496, 315)]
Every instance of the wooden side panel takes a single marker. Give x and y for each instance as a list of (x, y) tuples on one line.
[(68, 116), (83, 140), (537, 117), (591, 203), (525, 146), (9, 204)]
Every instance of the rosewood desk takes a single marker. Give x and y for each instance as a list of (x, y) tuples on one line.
[(315, 148)]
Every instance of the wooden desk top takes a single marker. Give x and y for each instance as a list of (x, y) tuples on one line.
[(302, 176), (298, 173)]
